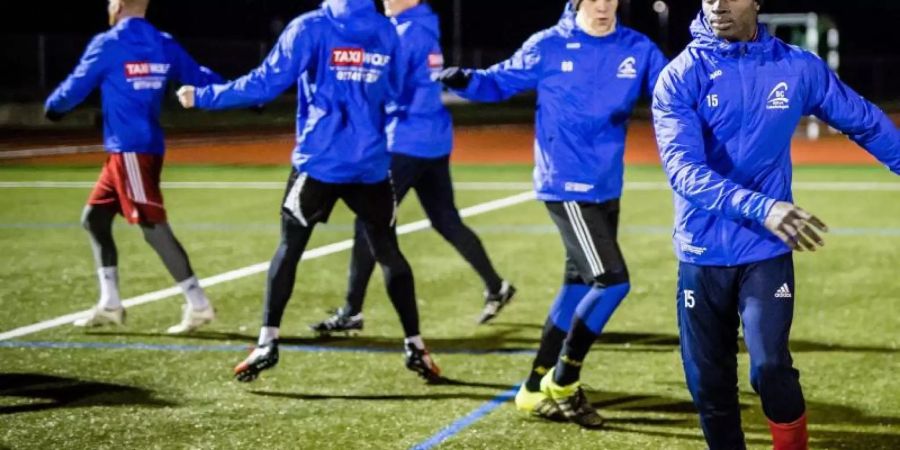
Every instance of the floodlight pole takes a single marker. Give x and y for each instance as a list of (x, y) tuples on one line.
[(662, 10), (457, 32)]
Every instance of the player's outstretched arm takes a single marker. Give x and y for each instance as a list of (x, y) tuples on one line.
[(796, 227), (502, 80), (80, 83), (681, 147), (281, 69), (841, 107)]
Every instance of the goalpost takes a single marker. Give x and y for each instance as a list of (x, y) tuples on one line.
[(813, 32)]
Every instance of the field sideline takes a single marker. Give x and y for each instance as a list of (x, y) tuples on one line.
[(136, 388)]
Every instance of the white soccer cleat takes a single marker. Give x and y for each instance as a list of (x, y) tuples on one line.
[(192, 319), (100, 316)]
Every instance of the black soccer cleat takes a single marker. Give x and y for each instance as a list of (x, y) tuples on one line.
[(261, 358), (419, 361), (493, 303), (339, 323)]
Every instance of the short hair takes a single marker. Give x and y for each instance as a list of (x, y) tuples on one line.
[(130, 4)]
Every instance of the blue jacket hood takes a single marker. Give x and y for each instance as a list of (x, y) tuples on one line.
[(423, 16), (706, 39), (353, 17)]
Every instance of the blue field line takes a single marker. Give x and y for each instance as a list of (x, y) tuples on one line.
[(469, 419), (238, 348)]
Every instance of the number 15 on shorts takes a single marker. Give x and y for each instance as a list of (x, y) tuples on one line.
[(689, 299)]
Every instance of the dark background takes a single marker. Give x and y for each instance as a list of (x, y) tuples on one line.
[(231, 36)]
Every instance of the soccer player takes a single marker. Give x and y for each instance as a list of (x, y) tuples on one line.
[(348, 64), (420, 138), (725, 110), (132, 63), (588, 72)]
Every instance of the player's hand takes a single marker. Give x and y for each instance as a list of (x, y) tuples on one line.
[(186, 96), (796, 227), (53, 116), (454, 78)]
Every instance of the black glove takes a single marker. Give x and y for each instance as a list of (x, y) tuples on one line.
[(454, 78), (53, 116)]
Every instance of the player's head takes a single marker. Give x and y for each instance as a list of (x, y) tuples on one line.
[(734, 20), (393, 8), (600, 14), (120, 9)]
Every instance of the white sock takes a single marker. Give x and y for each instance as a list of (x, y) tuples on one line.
[(109, 288), (194, 294), (266, 335), (415, 340)]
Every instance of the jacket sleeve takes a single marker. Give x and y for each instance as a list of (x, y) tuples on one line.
[(186, 69), (82, 81), (679, 135), (420, 65), (655, 65), (291, 56), (503, 80), (838, 105)]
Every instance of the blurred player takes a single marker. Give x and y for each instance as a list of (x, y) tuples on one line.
[(725, 111), (132, 64), (588, 72), (420, 138), (348, 64)]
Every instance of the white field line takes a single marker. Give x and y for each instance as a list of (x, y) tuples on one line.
[(264, 266), (98, 148), (830, 186)]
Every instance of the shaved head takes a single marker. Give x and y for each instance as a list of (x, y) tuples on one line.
[(120, 9)]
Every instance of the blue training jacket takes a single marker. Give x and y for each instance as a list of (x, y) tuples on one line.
[(421, 126), (586, 88), (724, 115), (348, 64), (132, 63)]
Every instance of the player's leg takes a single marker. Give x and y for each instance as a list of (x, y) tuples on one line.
[(142, 204), (375, 205), (97, 219), (404, 172), (596, 251), (559, 321), (708, 325), (435, 191), (306, 202), (767, 310), (588, 233), (198, 310)]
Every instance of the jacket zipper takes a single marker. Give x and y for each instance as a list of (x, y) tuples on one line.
[(742, 51)]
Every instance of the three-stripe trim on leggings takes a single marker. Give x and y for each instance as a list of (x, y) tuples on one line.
[(573, 210)]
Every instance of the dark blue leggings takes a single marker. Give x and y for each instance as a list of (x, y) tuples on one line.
[(712, 304)]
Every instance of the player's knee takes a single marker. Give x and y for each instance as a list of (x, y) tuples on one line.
[(91, 220), (394, 265), (447, 224), (769, 372), (619, 277)]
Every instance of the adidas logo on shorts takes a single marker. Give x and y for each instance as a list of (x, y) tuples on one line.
[(783, 292)]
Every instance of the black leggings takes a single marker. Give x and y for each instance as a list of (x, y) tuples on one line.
[(309, 201)]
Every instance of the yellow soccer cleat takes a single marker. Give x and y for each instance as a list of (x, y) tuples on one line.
[(571, 401)]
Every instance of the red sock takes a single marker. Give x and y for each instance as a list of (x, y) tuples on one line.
[(790, 436)]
